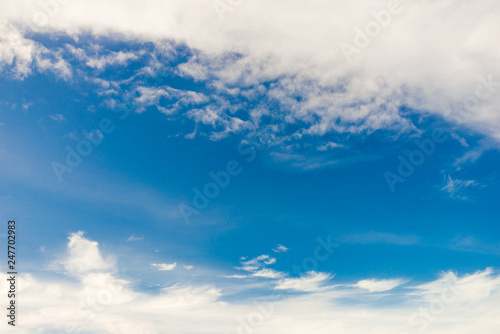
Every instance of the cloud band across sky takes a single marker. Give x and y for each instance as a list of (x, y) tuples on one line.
[(93, 298), (443, 68)]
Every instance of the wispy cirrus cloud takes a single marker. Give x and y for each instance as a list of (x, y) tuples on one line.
[(456, 187), (164, 266), (256, 262), (267, 273), (309, 282), (134, 238), (21, 56), (280, 249), (474, 245), (379, 237), (83, 257), (374, 285)]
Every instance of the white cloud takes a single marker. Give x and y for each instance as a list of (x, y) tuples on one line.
[(456, 187), (280, 249), (164, 266), (328, 146), (373, 285), (256, 263), (235, 276), (309, 282), (16, 51), (267, 273), (299, 57), (100, 302), (21, 55), (134, 238), (150, 96), (100, 62), (189, 267), (57, 117)]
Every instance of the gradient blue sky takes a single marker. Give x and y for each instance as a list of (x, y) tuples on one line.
[(134, 181), (320, 145)]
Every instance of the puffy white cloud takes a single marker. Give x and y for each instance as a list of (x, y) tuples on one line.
[(235, 276), (472, 244), (100, 62), (21, 55), (288, 57), (84, 256), (150, 96)]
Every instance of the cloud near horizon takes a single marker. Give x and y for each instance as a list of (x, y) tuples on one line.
[(94, 299)]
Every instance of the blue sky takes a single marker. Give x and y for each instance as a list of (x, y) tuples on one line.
[(306, 143)]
